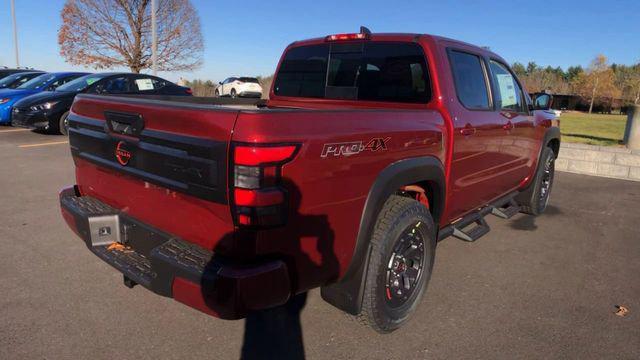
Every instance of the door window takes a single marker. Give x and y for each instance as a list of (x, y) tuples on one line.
[(508, 95), (470, 80), (118, 85)]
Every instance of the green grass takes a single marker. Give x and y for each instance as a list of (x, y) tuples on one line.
[(594, 129)]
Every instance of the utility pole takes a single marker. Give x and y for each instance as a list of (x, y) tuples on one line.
[(154, 37), (15, 31)]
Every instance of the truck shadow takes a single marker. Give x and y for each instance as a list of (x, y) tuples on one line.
[(528, 222), (276, 333)]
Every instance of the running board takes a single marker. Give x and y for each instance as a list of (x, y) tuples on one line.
[(480, 229), (473, 226), (507, 211)]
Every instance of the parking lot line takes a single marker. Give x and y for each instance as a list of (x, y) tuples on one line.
[(13, 130), (43, 144)]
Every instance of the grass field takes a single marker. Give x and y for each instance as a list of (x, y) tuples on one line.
[(594, 129)]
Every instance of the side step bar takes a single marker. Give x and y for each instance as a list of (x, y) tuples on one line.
[(506, 211), (473, 226)]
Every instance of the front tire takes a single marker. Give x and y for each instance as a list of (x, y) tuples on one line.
[(63, 124), (534, 200), (400, 264)]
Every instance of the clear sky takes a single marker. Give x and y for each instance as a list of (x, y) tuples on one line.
[(246, 37)]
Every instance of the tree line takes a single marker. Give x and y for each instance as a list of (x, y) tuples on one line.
[(600, 84)]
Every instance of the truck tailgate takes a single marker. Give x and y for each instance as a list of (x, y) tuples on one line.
[(163, 163)]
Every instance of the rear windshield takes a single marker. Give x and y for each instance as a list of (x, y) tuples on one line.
[(248, 80), (375, 71)]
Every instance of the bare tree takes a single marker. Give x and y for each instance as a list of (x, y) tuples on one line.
[(107, 33)]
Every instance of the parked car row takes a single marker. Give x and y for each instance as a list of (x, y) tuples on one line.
[(38, 100)]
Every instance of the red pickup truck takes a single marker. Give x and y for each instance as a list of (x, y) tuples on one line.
[(371, 148)]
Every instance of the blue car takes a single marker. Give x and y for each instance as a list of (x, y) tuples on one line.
[(49, 82)]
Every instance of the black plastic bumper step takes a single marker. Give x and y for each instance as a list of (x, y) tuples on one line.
[(133, 265), (481, 228), (507, 211)]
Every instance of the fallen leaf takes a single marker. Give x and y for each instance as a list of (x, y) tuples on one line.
[(116, 246), (622, 310)]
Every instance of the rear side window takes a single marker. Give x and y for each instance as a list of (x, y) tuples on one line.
[(376, 71), (303, 72), (471, 83), (118, 85)]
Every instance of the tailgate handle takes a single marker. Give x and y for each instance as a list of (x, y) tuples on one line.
[(124, 123)]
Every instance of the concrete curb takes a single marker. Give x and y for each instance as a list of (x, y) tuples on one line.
[(606, 161)]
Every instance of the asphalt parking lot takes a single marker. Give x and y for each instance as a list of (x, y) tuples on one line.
[(533, 288)]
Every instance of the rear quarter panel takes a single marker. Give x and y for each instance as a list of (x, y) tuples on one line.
[(328, 193)]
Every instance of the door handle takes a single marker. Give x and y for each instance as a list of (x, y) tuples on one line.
[(468, 130), (508, 126)]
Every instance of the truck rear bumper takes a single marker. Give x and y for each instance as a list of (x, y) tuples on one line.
[(173, 267)]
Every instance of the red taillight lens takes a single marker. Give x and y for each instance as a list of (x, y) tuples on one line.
[(258, 155), (347, 37), (268, 197), (259, 199), (189, 91)]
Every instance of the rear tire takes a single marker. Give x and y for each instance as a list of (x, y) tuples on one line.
[(400, 264), (233, 93), (534, 200), (63, 124)]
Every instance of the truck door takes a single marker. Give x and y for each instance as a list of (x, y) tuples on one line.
[(518, 146), (476, 159)]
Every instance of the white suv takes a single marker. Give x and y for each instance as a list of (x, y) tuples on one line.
[(239, 86)]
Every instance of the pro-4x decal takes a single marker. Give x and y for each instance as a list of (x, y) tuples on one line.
[(354, 147)]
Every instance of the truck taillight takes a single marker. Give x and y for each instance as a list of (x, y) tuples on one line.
[(258, 196)]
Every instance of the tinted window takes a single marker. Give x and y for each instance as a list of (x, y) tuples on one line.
[(358, 71), (118, 85), (508, 95), (81, 83), (303, 72), (145, 84), (471, 84), (248, 80), (37, 82), (61, 81), (15, 80)]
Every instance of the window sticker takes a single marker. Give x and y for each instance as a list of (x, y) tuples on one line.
[(92, 80), (507, 90), (144, 84)]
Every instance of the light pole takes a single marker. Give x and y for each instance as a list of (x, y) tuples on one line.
[(15, 31), (154, 37)]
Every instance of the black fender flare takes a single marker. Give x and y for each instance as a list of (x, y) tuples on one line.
[(552, 133), (346, 294)]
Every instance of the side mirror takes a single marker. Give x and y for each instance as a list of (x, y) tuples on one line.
[(542, 102)]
